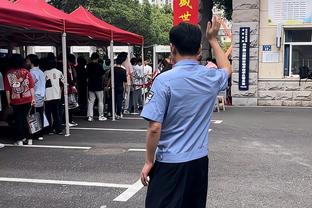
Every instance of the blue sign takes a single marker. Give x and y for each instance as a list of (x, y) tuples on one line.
[(244, 58), (267, 48)]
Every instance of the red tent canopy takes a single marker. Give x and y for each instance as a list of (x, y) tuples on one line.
[(119, 35), (30, 18), (71, 25)]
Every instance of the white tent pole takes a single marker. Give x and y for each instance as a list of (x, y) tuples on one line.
[(143, 72), (112, 78), (64, 52), (154, 59)]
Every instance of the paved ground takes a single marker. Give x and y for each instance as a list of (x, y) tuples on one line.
[(259, 157)]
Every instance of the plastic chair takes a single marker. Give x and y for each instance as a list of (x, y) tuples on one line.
[(221, 100)]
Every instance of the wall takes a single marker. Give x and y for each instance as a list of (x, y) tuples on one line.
[(285, 93), (273, 88), (268, 86), (267, 37), (246, 14)]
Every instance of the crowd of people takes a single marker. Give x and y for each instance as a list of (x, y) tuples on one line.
[(35, 85)]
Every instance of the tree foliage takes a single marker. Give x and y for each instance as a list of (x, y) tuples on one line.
[(149, 21), (227, 6), (68, 5)]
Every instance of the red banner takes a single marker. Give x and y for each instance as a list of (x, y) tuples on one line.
[(185, 11)]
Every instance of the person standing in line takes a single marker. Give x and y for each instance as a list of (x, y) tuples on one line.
[(39, 79), (120, 82), (128, 90), (148, 71), (82, 84), (1, 89), (54, 78), (211, 63), (106, 84), (107, 65), (166, 66), (95, 75), (179, 107), (137, 77), (19, 86), (72, 86), (1, 85)]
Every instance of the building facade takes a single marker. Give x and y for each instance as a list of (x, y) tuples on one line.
[(280, 48)]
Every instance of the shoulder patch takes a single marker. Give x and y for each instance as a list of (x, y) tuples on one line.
[(149, 96)]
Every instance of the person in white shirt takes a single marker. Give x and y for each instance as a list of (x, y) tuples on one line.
[(128, 93), (138, 79), (148, 71), (54, 79)]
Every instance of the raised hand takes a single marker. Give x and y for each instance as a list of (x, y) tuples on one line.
[(213, 28)]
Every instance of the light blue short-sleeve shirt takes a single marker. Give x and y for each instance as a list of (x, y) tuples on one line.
[(182, 100), (39, 79)]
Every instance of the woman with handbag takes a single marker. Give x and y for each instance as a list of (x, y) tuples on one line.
[(72, 89), (19, 87), (37, 74)]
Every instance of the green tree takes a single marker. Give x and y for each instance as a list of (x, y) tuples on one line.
[(205, 14), (227, 6), (68, 5), (225, 46), (153, 23), (161, 24)]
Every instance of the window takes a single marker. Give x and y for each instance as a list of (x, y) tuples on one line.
[(298, 35), (298, 51), (301, 57)]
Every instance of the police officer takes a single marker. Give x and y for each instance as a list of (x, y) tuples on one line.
[(179, 108)]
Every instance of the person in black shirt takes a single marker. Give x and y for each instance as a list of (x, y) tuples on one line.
[(82, 84), (95, 74), (120, 82)]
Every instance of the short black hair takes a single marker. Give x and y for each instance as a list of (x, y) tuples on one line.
[(133, 61), (50, 64), (95, 56), (81, 61), (60, 57), (51, 55), (122, 57), (43, 64), (147, 58), (213, 60), (33, 59), (71, 58), (17, 61), (108, 62), (4, 63), (186, 38), (208, 59)]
